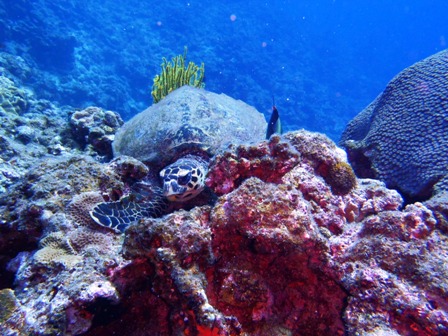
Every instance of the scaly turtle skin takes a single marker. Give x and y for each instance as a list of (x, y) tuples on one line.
[(143, 201), (184, 179), (177, 137)]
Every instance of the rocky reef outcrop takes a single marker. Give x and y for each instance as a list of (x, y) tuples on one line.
[(292, 243), (279, 253), (95, 128)]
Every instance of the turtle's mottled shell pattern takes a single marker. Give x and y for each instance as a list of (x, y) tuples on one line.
[(188, 120)]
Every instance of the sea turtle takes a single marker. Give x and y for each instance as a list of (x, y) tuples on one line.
[(177, 137)]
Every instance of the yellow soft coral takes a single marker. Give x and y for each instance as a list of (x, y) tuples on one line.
[(175, 74)]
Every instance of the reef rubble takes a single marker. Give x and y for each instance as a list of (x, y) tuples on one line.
[(293, 243)]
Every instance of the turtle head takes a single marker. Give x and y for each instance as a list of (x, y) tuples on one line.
[(183, 179)]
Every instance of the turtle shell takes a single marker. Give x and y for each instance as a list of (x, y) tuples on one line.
[(188, 121)]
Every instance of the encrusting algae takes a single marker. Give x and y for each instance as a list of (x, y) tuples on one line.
[(8, 304)]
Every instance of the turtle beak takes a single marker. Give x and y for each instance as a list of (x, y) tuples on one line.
[(171, 190)]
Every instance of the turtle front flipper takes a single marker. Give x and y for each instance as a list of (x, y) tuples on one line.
[(120, 214)]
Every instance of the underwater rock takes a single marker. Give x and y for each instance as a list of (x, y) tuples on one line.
[(8, 304), (287, 256), (51, 187), (61, 284), (439, 206), (12, 99), (389, 265), (271, 160), (401, 138), (96, 127), (63, 297), (51, 197), (270, 275), (14, 67), (31, 128), (12, 318)]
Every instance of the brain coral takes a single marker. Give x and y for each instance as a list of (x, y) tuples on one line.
[(402, 136), (81, 204)]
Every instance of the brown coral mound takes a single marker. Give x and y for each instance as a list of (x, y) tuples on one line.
[(341, 178)]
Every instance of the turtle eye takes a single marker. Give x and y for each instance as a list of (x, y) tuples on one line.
[(183, 180)]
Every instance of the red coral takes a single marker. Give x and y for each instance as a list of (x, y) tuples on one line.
[(269, 161)]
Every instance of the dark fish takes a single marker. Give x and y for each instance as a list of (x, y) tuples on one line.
[(275, 125)]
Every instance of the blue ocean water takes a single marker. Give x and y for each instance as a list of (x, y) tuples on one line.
[(323, 61)]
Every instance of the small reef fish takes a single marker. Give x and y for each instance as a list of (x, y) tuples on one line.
[(274, 125)]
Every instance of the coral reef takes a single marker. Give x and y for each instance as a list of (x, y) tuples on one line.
[(402, 136), (40, 168), (175, 74), (56, 248), (282, 251), (8, 304), (61, 298), (55, 195), (269, 161), (52, 266), (341, 178), (31, 129), (12, 99), (78, 209), (14, 67), (439, 206), (95, 127), (293, 244), (289, 256)]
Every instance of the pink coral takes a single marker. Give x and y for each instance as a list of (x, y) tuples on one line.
[(279, 252)]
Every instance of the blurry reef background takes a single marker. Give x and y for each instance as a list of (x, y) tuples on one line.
[(323, 61)]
